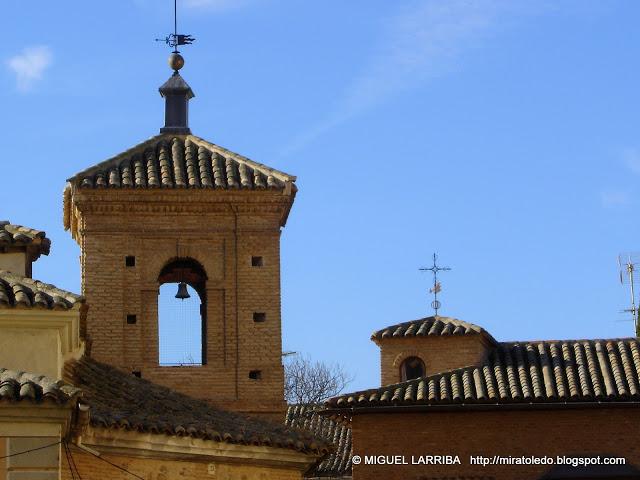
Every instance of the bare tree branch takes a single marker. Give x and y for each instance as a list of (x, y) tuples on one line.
[(309, 382)]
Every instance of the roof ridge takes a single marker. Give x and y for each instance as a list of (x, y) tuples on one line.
[(13, 234), (121, 156), (205, 143), (566, 340), (6, 274), (10, 288), (434, 325)]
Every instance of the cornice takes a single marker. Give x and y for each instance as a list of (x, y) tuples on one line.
[(26, 419), (122, 207), (163, 447), (65, 322)]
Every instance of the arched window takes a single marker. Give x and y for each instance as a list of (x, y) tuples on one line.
[(411, 368), (182, 321)]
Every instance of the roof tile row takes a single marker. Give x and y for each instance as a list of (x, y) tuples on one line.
[(429, 326), (336, 464), (181, 162), (17, 235), (523, 372), (23, 292), (120, 400), (17, 386)]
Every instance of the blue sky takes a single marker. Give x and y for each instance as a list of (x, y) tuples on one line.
[(502, 135)]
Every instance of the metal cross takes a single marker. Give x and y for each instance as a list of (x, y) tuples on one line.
[(174, 40), (435, 304)]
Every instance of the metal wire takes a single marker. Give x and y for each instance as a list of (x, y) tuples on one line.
[(32, 450), (115, 465), (70, 462)]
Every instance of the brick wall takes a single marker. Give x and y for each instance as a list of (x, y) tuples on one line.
[(92, 468), (581, 432), (439, 354), (220, 230)]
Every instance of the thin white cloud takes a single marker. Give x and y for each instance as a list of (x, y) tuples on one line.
[(422, 42), (631, 157), (29, 66), (215, 5), (615, 198)]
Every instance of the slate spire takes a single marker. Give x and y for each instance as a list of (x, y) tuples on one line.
[(176, 93)]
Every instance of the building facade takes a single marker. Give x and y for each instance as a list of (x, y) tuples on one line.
[(473, 407), (85, 392)]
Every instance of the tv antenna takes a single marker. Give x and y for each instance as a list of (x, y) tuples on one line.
[(629, 265), (437, 287), (175, 39)]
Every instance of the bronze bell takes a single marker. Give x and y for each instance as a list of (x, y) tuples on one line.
[(182, 291)]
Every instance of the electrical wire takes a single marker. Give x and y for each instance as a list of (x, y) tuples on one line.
[(32, 450), (115, 465), (72, 465), (67, 454)]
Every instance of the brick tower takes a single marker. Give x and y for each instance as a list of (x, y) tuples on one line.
[(178, 209)]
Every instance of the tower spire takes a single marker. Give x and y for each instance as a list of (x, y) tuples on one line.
[(176, 91)]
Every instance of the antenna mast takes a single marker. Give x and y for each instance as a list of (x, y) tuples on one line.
[(627, 272), (437, 287)]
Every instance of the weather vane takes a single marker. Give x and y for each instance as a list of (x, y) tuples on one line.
[(174, 40), (435, 304)]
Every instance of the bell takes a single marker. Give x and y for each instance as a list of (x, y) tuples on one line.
[(182, 291)]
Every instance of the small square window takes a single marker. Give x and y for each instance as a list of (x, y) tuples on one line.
[(137, 373), (255, 374), (259, 317), (131, 319), (257, 262), (130, 261)]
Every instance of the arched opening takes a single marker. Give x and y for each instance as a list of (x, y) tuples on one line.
[(182, 321), (411, 367)]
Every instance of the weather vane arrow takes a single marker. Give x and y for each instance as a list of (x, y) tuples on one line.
[(175, 39)]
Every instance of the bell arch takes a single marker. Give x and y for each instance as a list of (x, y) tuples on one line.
[(411, 367), (182, 313)]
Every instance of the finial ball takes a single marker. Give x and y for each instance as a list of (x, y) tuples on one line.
[(176, 62)]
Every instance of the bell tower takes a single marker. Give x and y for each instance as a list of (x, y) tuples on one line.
[(180, 257)]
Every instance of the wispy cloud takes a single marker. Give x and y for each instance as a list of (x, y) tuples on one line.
[(424, 41), (631, 157), (615, 198), (29, 66), (216, 5)]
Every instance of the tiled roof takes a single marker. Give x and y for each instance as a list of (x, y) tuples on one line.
[(16, 386), (338, 463), (120, 400), (19, 291), (429, 326), (17, 235), (182, 161), (458, 477), (523, 372)]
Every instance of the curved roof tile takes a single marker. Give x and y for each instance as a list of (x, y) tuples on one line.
[(120, 400), (19, 291), (429, 326), (522, 372), (16, 386), (336, 464), (16, 235), (181, 161)]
